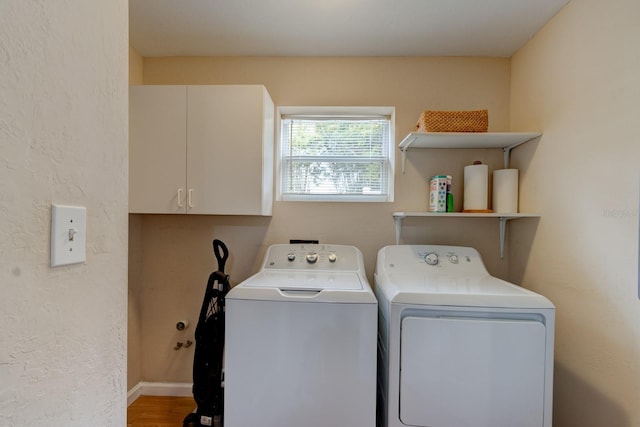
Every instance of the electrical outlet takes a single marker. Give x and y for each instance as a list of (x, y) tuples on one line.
[(68, 235)]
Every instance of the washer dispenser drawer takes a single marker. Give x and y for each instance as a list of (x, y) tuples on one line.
[(460, 372)]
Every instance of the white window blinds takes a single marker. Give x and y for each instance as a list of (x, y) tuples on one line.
[(345, 157)]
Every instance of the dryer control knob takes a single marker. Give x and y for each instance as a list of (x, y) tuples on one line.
[(332, 257), (431, 258), (453, 258), (291, 256), (312, 257)]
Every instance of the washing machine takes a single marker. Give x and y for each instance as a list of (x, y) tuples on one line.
[(458, 347), (300, 344)]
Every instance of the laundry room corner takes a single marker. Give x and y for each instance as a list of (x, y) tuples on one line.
[(176, 248)]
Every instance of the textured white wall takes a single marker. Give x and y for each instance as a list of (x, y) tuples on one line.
[(577, 81), (63, 139), (134, 349)]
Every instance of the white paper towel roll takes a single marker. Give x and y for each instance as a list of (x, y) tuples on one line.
[(505, 190), (476, 187)]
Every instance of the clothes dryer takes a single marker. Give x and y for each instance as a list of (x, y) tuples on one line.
[(458, 347), (301, 341)]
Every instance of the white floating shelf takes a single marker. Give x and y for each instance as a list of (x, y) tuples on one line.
[(502, 217), (400, 215), (504, 140)]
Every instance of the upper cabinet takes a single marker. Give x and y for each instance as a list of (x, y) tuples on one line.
[(201, 150)]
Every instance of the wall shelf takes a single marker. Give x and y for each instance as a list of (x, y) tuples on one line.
[(507, 141), (502, 217)]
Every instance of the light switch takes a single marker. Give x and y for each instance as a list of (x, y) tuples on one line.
[(68, 235)]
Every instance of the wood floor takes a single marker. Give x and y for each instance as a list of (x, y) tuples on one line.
[(159, 411)]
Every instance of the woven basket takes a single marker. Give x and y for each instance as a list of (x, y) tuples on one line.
[(453, 121)]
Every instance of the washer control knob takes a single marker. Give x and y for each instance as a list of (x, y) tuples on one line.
[(453, 258), (332, 257), (431, 258), (291, 256), (312, 257)]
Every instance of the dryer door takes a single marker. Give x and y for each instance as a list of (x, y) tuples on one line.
[(459, 372)]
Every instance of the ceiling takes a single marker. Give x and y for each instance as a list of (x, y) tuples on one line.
[(336, 27)]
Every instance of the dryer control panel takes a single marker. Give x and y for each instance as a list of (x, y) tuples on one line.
[(435, 259), (313, 257)]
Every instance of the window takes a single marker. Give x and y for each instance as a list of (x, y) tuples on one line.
[(336, 154)]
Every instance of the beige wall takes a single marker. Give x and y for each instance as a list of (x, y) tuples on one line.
[(136, 64), (176, 255), (577, 80), (63, 140)]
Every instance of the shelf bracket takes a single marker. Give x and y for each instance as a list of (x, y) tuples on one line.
[(404, 153), (503, 234), (506, 153), (397, 219), (404, 160)]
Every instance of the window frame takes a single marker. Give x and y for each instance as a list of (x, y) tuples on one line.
[(346, 111)]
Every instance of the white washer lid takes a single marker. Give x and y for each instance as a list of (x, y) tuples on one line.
[(304, 280), (304, 286)]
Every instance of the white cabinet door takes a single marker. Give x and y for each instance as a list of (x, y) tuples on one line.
[(229, 150), (201, 150), (157, 149)]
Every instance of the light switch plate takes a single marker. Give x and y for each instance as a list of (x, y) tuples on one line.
[(68, 235)]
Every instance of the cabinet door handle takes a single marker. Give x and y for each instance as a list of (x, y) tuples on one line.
[(180, 205), (189, 198)]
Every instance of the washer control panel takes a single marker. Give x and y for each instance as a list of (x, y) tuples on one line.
[(313, 257)]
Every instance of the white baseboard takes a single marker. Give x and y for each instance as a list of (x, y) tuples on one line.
[(134, 393), (144, 388)]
